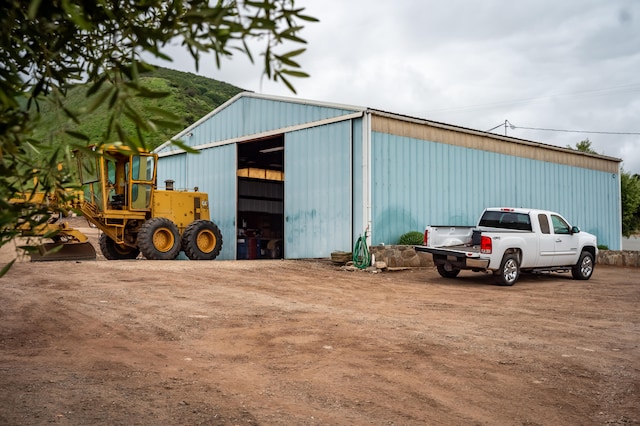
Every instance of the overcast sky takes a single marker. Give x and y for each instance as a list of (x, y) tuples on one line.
[(561, 64)]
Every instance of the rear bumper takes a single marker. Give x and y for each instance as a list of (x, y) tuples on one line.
[(463, 259), (477, 263)]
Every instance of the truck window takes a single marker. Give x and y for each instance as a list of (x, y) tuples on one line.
[(559, 225), (544, 223), (506, 220)]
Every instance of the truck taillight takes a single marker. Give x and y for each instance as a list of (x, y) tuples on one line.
[(485, 245), (426, 237)]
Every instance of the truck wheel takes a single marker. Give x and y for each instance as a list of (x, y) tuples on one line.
[(584, 268), (447, 271), (159, 239), (202, 240), (509, 270), (114, 251)]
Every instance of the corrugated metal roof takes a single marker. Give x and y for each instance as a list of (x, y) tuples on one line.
[(270, 115), (265, 120)]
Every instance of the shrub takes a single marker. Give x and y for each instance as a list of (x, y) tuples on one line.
[(413, 238), (602, 247)]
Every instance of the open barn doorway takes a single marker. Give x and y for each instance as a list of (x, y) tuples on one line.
[(260, 215)]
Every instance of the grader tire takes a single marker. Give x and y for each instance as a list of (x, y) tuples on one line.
[(159, 239), (202, 240), (113, 251)]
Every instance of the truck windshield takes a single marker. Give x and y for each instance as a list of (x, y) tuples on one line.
[(506, 220)]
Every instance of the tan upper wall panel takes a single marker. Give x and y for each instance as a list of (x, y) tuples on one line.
[(436, 132)]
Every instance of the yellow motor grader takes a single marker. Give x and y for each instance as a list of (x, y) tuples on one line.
[(121, 199)]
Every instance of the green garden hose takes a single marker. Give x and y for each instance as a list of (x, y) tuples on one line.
[(361, 256)]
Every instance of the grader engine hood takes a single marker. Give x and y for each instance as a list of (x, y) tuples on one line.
[(181, 207)]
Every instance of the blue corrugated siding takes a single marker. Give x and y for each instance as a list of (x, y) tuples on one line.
[(358, 207), (318, 195), (214, 171), (249, 115), (174, 168), (418, 183)]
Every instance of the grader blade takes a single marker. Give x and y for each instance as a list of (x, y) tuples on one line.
[(64, 251)]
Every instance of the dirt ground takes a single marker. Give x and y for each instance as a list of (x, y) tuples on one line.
[(279, 342)]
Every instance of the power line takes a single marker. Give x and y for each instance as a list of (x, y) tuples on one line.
[(512, 126)]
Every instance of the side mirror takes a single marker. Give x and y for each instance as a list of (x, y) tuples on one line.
[(575, 230)]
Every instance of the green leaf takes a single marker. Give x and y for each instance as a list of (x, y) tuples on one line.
[(162, 112), (114, 97), (33, 10), (294, 53), (294, 73), (267, 60), (186, 148), (286, 82), (6, 268), (33, 147), (134, 68), (78, 135), (292, 37), (52, 233), (307, 18), (71, 115), (76, 14), (145, 93), (288, 62), (99, 100), (96, 86), (245, 49), (166, 124), (137, 119)]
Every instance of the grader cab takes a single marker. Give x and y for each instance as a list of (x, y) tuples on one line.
[(121, 199)]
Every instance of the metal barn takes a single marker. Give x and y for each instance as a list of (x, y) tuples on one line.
[(291, 178)]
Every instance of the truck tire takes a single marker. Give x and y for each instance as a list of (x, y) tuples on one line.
[(159, 239), (584, 268), (114, 251), (447, 271), (509, 270), (202, 240)]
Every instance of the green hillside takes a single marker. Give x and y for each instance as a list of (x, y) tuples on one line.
[(190, 98)]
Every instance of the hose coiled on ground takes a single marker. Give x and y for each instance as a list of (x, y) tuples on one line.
[(361, 256)]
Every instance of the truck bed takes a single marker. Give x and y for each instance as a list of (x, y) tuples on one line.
[(462, 256), (461, 249)]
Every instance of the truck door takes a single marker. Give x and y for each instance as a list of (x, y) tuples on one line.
[(566, 243), (547, 246)]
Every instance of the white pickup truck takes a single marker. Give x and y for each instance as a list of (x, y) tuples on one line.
[(507, 241)]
